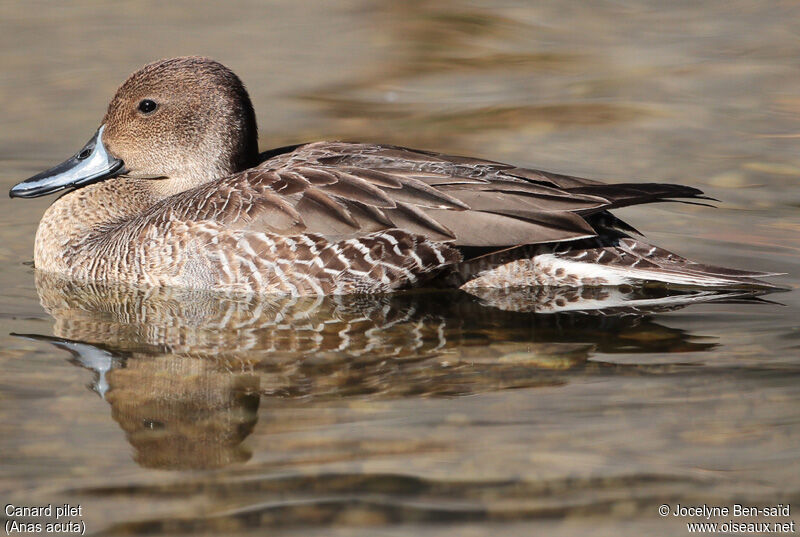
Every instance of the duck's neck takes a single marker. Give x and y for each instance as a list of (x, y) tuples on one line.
[(76, 216)]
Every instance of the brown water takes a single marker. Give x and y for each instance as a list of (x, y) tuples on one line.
[(177, 413)]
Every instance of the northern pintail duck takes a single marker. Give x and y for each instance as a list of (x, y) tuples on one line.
[(171, 191)]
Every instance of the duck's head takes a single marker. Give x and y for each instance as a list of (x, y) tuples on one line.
[(182, 121)]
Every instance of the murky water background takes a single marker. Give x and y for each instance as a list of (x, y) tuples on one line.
[(425, 413)]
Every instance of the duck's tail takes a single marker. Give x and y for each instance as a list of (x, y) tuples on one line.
[(613, 258), (630, 261)]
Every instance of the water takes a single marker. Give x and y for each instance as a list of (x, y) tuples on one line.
[(175, 413)]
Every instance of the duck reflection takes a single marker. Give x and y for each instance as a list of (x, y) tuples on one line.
[(184, 371), (180, 412)]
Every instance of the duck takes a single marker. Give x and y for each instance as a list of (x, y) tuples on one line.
[(172, 191)]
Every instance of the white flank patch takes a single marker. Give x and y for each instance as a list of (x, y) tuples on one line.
[(613, 275), (546, 266)]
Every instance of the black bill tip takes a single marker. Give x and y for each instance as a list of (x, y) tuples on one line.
[(92, 163)]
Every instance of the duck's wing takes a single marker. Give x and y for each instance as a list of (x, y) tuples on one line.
[(346, 190)]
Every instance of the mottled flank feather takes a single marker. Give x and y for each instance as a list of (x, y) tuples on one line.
[(206, 254)]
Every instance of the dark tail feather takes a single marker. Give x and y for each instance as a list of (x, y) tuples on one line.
[(626, 194)]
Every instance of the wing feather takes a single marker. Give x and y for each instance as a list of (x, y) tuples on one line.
[(349, 190)]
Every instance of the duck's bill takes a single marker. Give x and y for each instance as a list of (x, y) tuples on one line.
[(92, 163)]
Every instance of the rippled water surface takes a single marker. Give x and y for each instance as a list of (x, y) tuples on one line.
[(426, 413)]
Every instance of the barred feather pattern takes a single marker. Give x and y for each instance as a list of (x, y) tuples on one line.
[(607, 260), (207, 255)]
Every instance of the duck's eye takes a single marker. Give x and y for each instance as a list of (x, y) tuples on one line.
[(147, 106)]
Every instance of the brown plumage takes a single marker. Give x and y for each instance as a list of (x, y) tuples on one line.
[(188, 203)]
